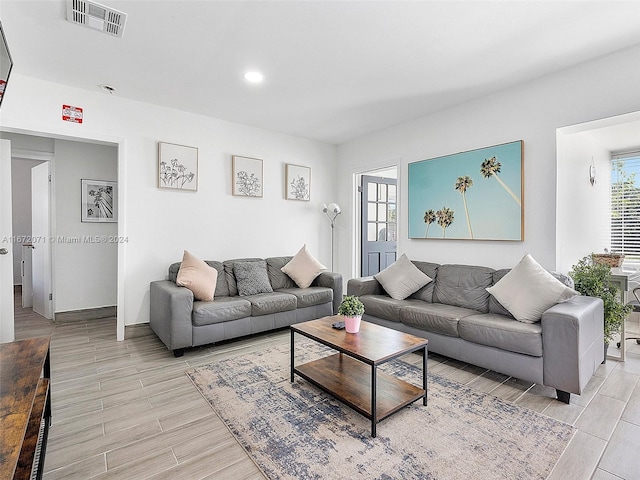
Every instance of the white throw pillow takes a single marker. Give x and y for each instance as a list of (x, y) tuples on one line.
[(198, 277), (528, 290), (303, 268), (402, 278)]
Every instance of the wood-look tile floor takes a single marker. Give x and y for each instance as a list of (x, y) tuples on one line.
[(127, 410)]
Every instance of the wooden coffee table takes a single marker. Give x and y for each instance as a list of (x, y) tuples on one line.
[(352, 376)]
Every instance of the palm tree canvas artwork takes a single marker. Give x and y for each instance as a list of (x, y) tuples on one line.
[(475, 195), (99, 201)]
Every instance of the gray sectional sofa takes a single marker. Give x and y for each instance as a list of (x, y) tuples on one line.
[(181, 322), (462, 320)]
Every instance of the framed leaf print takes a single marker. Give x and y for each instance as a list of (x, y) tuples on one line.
[(297, 182), (99, 201), (247, 176), (177, 167)]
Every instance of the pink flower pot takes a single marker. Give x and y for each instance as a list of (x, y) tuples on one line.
[(352, 324)]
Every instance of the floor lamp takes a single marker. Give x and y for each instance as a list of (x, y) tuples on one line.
[(332, 211)]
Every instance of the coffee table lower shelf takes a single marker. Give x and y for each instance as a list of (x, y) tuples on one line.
[(350, 381)]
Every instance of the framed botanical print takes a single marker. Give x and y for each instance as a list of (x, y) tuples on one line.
[(99, 201), (297, 182), (177, 167), (247, 176)]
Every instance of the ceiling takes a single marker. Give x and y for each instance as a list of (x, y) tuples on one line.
[(334, 70)]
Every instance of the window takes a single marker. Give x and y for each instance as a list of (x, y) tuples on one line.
[(625, 206)]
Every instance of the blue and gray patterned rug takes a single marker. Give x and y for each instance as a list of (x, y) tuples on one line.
[(296, 431)]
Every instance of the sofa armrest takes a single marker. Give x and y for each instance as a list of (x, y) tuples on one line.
[(572, 343), (333, 281), (170, 315), (364, 286)]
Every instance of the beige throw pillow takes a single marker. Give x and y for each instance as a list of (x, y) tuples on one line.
[(528, 291), (402, 278), (197, 276), (303, 268)]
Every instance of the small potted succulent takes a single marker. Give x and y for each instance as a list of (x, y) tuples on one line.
[(351, 310)]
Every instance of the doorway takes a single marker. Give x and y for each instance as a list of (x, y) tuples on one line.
[(378, 225), (69, 238)]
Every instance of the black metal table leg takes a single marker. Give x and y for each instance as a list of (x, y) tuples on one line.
[(374, 414), (292, 355), (47, 374), (424, 375)]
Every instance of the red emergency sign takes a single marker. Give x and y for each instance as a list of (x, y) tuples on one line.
[(71, 114)]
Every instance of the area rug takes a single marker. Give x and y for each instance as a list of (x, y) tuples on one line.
[(296, 431)]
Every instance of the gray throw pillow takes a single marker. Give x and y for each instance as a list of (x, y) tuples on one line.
[(252, 278), (402, 278)]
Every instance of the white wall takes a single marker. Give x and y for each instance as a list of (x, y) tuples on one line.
[(583, 211), (159, 224), (531, 112), (85, 272)]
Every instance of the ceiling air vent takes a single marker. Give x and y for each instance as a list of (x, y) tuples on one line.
[(96, 16)]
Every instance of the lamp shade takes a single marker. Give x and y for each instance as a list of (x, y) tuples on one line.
[(333, 208)]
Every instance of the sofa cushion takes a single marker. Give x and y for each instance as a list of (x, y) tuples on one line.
[(402, 278), (221, 309), (308, 297), (528, 290), (502, 332), (228, 272), (222, 290), (269, 303), (252, 278), (383, 306), (303, 268), (430, 269), (434, 317), (197, 276), (277, 277), (463, 286)]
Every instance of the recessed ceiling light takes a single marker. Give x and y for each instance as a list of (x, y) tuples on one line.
[(254, 77)]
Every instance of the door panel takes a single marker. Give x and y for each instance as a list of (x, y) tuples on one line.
[(7, 330), (41, 255), (379, 223)]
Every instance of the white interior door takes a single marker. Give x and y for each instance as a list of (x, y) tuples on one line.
[(40, 231), (7, 331)]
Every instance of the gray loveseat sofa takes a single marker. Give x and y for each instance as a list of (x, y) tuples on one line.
[(181, 322), (462, 320)]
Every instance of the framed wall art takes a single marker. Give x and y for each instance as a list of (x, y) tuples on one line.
[(247, 176), (177, 167), (99, 202), (474, 195), (297, 182)]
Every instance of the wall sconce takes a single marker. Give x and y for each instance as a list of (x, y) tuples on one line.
[(331, 211), (592, 172)]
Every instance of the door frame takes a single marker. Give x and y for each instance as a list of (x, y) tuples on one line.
[(119, 143), (7, 327)]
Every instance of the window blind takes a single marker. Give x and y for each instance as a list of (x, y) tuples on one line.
[(625, 206)]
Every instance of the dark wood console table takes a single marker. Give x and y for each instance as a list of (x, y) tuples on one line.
[(25, 407)]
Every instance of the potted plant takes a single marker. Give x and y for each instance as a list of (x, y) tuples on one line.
[(351, 310), (594, 279)]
